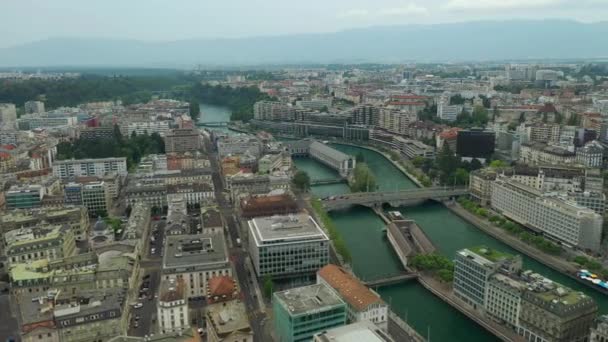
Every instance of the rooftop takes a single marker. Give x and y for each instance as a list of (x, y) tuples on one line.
[(350, 288), (308, 299), (172, 290), (329, 151), (490, 254), (359, 331), (228, 317), (211, 217), (198, 250), (285, 229)]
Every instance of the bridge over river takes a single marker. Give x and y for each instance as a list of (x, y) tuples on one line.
[(393, 198), (212, 124)]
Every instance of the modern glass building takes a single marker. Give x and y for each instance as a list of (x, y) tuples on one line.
[(302, 312)]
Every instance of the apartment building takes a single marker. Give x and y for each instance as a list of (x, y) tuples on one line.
[(287, 246), (34, 107), (273, 111), (591, 155), (65, 169), (74, 217), (542, 154), (413, 148), (30, 244), (564, 221), (148, 127)]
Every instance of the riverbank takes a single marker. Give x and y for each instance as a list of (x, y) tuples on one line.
[(387, 157), (444, 292), (558, 264)]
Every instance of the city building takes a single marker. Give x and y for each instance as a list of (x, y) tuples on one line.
[(341, 162), (239, 145), (268, 205), (155, 195), (473, 268), (414, 148), (273, 111), (212, 220), (228, 322), (359, 331), (591, 155), (503, 299), (172, 307), (8, 116), (195, 259), (599, 330), (301, 312), (29, 244), (194, 193), (475, 143), (183, 140), (543, 154), (34, 107), (76, 218), (363, 304), (480, 184), (553, 312), (96, 197), (96, 133), (286, 246), (448, 112), (24, 197), (148, 127), (564, 221), (65, 169)]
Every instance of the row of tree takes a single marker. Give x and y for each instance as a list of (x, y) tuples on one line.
[(133, 148), (364, 180)]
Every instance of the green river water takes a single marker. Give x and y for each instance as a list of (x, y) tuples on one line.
[(373, 256)]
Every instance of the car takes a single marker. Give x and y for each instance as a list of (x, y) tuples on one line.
[(137, 317), (153, 250), (138, 305), (136, 324)]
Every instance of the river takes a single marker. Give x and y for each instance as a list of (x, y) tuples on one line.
[(374, 257)]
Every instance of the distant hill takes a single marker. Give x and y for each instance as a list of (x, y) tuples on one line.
[(474, 41)]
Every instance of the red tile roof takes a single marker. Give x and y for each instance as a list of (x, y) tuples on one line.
[(350, 288), (406, 103)]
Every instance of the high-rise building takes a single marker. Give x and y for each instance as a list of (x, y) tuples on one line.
[(8, 116), (302, 312), (182, 140), (286, 246), (34, 107), (571, 224), (96, 197)]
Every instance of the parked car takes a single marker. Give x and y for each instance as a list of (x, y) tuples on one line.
[(138, 305)]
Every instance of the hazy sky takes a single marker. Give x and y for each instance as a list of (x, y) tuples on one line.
[(22, 21)]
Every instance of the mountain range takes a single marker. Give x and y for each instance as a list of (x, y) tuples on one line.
[(471, 41)]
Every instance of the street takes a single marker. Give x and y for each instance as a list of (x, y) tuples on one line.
[(9, 329)]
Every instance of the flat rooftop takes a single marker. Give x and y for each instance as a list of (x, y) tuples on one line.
[(490, 253), (308, 299), (196, 250), (359, 331), (229, 316), (285, 229)]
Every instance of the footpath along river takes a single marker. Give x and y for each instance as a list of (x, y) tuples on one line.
[(373, 256)]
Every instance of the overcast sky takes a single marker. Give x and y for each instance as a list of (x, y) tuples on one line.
[(23, 21)]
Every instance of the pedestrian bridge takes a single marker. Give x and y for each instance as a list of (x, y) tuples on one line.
[(213, 124), (391, 280), (392, 198), (326, 181)]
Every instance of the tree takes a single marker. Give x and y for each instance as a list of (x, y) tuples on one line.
[(194, 109), (360, 157), (573, 120), (364, 180), (301, 180), (522, 117), (457, 100), (418, 161), (461, 177), (480, 115), (324, 109), (497, 164), (268, 286), (475, 164)]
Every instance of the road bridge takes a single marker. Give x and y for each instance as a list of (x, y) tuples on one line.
[(392, 198)]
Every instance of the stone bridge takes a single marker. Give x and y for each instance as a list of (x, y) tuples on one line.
[(392, 198)]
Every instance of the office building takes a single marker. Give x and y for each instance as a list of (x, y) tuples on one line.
[(363, 304), (413, 148), (503, 299), (96, 197), (65, 169), (24, 197), (8, 136), (228, 322), (599, 330), (195, 259), (542, 154), (475, 143), (473, 268), (286, 246), (172, 307), (564, 221), (269, 205), (359, 331), (273, 111), (34, 107), (448, 112), (302, 312), (183, 140), (591, 155)]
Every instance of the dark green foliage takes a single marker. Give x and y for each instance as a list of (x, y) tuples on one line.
[(88, 88), (334, 234), (301, 180), (239, 100), (457, 100), (364, 180), (133, 148), (268, 287), (194, 110), (436, 263)]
